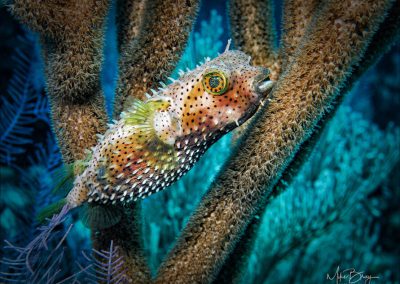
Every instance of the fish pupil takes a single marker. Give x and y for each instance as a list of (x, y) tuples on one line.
[(214, 81)]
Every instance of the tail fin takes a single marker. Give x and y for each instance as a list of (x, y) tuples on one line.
[(51, 210), (65, 175), (65, 178)]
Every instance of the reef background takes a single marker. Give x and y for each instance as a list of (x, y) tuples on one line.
[(341, 209)]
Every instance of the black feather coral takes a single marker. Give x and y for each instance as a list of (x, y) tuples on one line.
[(36, 262), (106, 266), (21, 106)]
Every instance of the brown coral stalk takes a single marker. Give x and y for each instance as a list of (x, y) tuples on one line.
[(130, 16), (71, 33), (127, 237), (302, 96), (381, 42), (252, 27), (296, 19), (151, 57), (253, 31), (387, 35)]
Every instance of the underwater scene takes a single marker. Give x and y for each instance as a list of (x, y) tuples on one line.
[(238, 141)]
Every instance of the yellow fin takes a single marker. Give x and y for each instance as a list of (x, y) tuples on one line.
[(141, 113), (142, 116), (79, 166)]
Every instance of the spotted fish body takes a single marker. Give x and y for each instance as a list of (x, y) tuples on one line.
[(155, 142)]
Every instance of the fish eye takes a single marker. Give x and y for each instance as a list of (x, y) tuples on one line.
[(215, 82)]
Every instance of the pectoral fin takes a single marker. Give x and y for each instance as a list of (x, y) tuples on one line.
[(142, 113), (154, 123)]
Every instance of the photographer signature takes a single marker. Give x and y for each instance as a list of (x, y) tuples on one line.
[(350, 275)]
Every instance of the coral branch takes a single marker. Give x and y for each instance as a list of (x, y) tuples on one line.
[(387, 35), (296, 19), (35, 263), (129, 20), (252, 26), (253, 31), (302, 96), (237, 261), (106, 267), (381, 42), (76, 125), (71, 34), (149, 59)]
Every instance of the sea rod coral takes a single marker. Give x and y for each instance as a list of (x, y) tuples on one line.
[(340, 186), (311, 71)]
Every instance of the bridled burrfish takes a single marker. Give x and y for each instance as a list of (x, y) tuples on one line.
[(157, 141)]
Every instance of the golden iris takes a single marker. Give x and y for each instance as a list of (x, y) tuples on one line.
[(215, 82)]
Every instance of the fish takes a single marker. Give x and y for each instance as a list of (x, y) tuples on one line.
[(156, 141)]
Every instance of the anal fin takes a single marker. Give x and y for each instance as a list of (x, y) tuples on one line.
[(97, 216)]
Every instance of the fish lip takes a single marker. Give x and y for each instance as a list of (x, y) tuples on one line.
[(262, 84), (249, 113), (264, 87)]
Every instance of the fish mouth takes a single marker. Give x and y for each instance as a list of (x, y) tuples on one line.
[(262, 84), (249, 113), (264, 87), (261, 87)]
